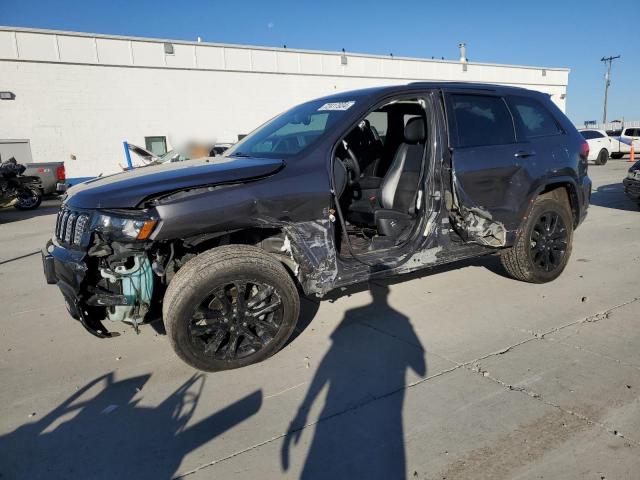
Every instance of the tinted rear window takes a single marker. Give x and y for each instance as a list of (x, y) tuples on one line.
[(536, 120), (589, 134), (482, 120)]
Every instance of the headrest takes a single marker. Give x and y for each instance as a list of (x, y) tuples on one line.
[(414, 131)]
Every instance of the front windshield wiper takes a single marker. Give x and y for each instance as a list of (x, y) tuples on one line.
[(240, 154)]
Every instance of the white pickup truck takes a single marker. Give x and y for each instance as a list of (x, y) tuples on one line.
[(631, 135), (623, 139), (612, 143)]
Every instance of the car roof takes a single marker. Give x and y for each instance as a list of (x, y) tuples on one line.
[(584, 129), (417, 86)]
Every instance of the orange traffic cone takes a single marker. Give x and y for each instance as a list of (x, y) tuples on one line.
[(632, 155)]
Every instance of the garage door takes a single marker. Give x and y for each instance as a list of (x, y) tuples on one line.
[(20, 149)]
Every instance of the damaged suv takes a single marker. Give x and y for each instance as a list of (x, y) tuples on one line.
[(333, 192)]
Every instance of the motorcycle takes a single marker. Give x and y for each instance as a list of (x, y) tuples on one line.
[(17, 190)]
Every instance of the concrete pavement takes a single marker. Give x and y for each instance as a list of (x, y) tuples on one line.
[(455, 373)]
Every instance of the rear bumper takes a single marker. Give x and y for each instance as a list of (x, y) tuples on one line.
[(61, 187), (632, 188), (66, 269)]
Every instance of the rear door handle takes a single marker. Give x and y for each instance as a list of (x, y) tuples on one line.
[(523, 154)]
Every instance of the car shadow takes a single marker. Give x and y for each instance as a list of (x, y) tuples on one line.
[(613, 196), (104, 431), (359, 433), (310, 305), (49, 206)]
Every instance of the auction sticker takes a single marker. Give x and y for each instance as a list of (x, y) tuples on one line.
[(337, 106)]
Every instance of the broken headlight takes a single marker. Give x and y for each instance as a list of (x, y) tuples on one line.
[(124, 227)]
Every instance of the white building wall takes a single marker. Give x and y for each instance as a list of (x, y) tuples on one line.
[(82, 95)]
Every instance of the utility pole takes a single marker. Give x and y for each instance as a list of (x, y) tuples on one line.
[(607, 82)]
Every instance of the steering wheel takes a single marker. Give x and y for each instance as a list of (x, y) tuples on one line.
[(353, 167)]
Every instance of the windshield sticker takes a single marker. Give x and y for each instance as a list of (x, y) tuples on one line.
[(337, 106)]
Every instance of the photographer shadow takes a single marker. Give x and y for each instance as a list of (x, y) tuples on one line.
[(359, 433)]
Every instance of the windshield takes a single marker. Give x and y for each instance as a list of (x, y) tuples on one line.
[(288, 134)]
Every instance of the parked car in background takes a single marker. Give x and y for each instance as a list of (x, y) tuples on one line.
[(52, 176), (335, 191), (632, 183), (600, 144), (190, 152), (220, 148)]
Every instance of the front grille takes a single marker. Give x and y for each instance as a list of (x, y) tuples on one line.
[(70, 226)]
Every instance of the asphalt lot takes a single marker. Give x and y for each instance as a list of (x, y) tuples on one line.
[(455, 373)]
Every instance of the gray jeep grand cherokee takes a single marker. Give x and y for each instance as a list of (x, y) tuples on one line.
[(335, 191)]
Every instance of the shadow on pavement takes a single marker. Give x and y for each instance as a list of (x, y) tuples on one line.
[(613, 196), (101, 431), (364, 369), (48, 207)]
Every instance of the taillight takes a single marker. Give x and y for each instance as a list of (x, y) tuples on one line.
[(584, 150), (60, 173)]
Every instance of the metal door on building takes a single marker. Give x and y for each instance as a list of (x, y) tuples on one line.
[(19, 149)]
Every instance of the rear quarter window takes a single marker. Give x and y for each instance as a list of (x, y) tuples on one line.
[(590, 134), (482, 120), (535, 118)]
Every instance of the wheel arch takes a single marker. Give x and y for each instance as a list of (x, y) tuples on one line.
[(562, 190), (273, 240)]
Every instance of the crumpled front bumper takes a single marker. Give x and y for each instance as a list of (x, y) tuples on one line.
[(66, 269)]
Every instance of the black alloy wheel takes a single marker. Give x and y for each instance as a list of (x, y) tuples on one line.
[(236, 320), (542, 250), (548, 243), (229, 307)]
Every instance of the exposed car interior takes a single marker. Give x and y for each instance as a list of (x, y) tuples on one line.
[(377, 170)]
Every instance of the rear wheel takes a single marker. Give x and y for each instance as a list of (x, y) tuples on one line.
[(229, 307), (543, 249), (29, 199), (603, 156)]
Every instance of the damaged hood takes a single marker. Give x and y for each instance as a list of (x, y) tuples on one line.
[(128, 189)]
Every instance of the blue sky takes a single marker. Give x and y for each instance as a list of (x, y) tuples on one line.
[(574, 34)]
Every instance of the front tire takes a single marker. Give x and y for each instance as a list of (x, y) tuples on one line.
[(230, 307), (603, 156), (541, 252), (617, 156)]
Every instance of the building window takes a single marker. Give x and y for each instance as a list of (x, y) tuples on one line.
[(156, 145)]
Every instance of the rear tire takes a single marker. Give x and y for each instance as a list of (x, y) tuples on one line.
[(29, 199), (213, 308), (542, 250), (603, 156)]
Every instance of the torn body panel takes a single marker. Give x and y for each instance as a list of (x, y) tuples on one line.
[(477, 225), (482, 211), (312, 247)]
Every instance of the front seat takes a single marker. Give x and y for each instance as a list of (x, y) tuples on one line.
[(399, 188)]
